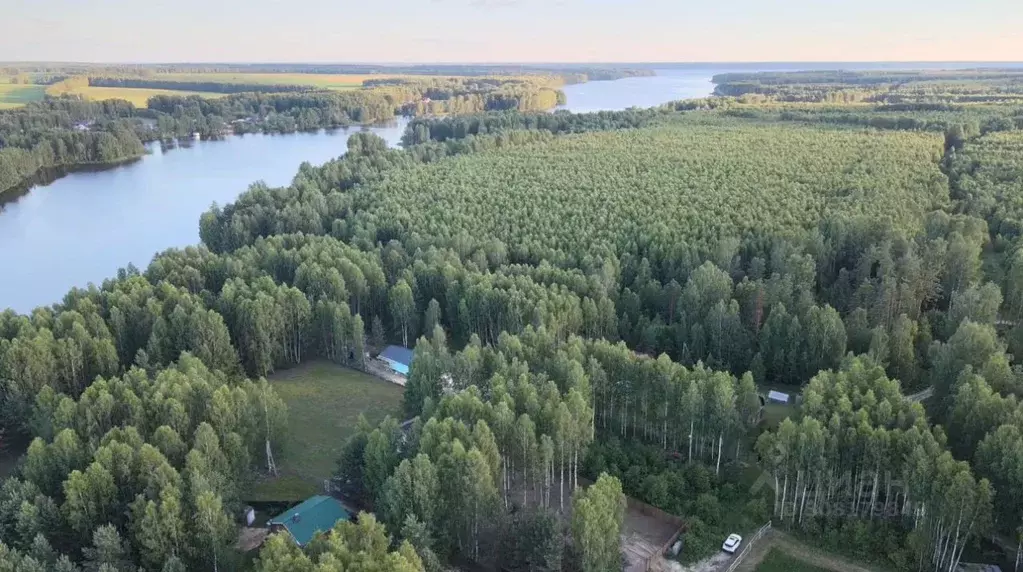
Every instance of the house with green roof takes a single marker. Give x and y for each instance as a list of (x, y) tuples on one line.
[(315, 514)]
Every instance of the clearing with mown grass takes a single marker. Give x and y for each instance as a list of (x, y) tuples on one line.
[(16, 95), (778, 561), (324, 402)]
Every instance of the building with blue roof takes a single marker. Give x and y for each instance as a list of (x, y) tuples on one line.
[(397, 358), (315, 514)]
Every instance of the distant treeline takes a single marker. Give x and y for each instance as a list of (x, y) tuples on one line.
[(579, 73), (437, 84), (22, 78), (572, 73), (413, 95), (870, 77), (286, 112), (887, 87), (206, 86)]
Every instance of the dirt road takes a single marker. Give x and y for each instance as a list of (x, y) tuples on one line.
[(773, 538)]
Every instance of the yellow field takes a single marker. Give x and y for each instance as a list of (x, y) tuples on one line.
[(137, 96), (325, 81), (14, 95)]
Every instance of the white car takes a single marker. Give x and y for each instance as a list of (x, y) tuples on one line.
[(731, 543)]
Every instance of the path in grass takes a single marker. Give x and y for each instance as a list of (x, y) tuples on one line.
[(324, 402), (777, 551)]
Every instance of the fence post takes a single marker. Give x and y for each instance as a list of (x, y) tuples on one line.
[(749, 544)]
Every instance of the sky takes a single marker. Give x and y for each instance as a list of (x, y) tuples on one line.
[(430, 31)]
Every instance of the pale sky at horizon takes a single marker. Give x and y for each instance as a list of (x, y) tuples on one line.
[(429, 31)]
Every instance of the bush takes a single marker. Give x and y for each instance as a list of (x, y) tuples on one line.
[(713, 506), (708, 508)]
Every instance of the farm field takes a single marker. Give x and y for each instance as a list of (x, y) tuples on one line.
[(15, 95), (137, 96), (324, 402), (325, 81)]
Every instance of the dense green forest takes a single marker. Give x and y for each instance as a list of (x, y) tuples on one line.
[(591, 298)]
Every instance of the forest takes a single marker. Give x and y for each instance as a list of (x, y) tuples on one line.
[(65, 132), (599, 298)]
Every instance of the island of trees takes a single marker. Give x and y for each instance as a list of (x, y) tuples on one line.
[(598, 298)]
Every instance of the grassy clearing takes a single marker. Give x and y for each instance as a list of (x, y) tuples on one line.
[(139, 97), (325, 81), (324, 401), (775, 413), (778, 561), (15, 95)]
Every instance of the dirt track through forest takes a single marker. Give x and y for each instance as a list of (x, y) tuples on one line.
[(772, 539), (782, 541)]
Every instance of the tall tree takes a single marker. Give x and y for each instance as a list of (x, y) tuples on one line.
[(597, 517), (214, 530), (402, 306), (432, 317)]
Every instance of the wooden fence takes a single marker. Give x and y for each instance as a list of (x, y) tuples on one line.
[(749, 544)]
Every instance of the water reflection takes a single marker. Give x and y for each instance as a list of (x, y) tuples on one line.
[(66, 231)]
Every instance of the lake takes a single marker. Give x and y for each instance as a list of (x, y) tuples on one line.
[(670, 84), (81, 228)]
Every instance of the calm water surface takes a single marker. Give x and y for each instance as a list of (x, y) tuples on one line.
[(667, 85), (83, 227)]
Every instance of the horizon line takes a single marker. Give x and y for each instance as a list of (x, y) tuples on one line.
[(501, 63)]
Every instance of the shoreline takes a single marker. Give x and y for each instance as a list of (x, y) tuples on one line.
[(49, 174)]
